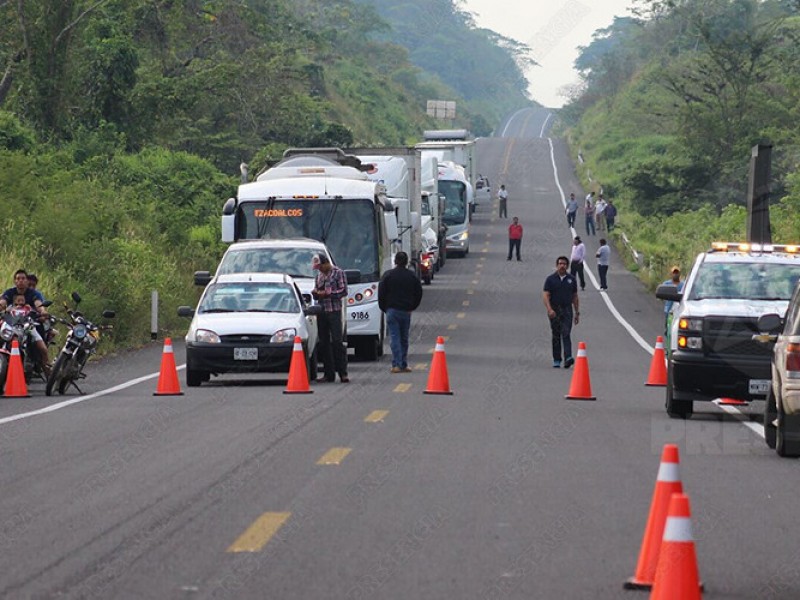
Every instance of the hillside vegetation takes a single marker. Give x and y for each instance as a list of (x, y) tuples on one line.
[(674, 98), (123, 123)]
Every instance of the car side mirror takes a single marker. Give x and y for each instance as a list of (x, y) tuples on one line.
[(202, 278), (109, 314), (352, 276), (307, 299), (770, 323), (313, 311), (185, 311), (669, 292)]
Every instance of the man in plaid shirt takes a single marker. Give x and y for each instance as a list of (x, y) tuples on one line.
[(329, 289)]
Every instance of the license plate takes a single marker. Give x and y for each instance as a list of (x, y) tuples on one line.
[(760, 386), (359, 315), (245, 353)]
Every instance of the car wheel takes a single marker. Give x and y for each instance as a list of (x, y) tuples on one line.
[(770, 414), (787, 428), (676, 409), (195, 378)]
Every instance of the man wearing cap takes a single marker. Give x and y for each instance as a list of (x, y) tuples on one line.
[(576, 260), (668, 304), (329, 289)]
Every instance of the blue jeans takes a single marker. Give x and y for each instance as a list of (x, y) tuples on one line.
[(590, 225), (561, 328), (399, 324)]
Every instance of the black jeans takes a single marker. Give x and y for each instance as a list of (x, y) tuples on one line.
[(503, 208), (571, 219), (602, 270), (561, 328), (514, 244), (331, 346), (577, 268)]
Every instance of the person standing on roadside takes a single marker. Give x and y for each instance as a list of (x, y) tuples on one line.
[(600, 213), (399, 294), (603, 254), (329, 289), (502, 196), (576, 260), (675, 279), (611, 214), (514, 237), (588, 211), (560, 297), (571, 210)]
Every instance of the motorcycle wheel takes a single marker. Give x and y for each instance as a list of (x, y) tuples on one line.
[(3, 371), (57, 376)]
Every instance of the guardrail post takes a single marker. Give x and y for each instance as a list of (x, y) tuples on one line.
[(154, 315)]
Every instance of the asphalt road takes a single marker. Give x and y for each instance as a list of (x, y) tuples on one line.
[(502, 490)]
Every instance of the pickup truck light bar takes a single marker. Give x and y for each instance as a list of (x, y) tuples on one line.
[(747, 247)]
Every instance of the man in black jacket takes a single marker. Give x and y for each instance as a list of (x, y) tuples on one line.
[(399, 293)]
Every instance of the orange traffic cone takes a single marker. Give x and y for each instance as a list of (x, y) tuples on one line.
[(15, 378), (438, 381), (298, 373), (168, 377), (658, 366), (676, 576), (668, 482), (580, 388)]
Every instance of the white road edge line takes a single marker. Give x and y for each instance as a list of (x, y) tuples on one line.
[(79, 399), (503, 134), (740, 416), (541, 133)]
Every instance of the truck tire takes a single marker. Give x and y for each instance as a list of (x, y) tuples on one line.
[(676, 409), (787, 426), (770, 414)]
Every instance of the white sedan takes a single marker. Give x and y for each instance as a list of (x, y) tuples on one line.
[(247, 322)]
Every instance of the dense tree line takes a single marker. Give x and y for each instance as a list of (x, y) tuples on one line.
[(673, 99)]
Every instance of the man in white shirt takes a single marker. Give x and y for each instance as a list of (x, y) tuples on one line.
[(502, 196), (600, 214), (576, 260), (603, 254)]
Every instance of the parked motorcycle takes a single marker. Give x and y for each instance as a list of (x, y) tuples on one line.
[(19, 325), (79, 345)]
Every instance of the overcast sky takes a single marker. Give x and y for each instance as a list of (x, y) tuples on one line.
[(554, 30)]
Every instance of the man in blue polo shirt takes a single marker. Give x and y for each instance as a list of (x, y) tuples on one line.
[(560, 296)]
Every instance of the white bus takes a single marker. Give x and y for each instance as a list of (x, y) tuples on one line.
[(322, 194)]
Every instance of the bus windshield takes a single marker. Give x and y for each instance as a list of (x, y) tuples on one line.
[(455, 206), (346, 226)]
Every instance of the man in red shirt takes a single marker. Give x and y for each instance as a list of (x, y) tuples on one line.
[(514, 237)]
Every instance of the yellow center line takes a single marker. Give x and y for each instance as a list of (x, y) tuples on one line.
[(484, 250), (465, 303), (452, 327), (420, 366), (334, 456), (259, 533), (474, 282), (376, 416), (483, 258), (461, 315), (470, 292), (402, 387)]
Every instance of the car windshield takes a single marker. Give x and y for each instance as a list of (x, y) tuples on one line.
[(250, 297), (292, 261), (745, 281)]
